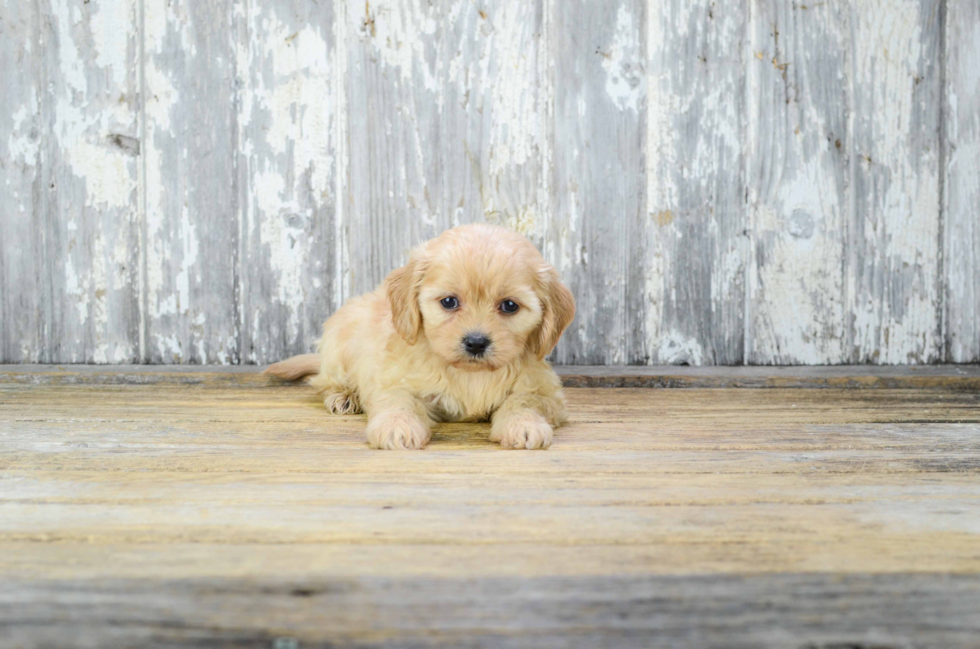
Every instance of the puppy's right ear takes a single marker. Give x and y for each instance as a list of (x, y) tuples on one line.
[(402, 287)]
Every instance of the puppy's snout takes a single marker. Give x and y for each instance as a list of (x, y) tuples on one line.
[(476, 344)]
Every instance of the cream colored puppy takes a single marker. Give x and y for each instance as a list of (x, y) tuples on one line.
[(457, 334)]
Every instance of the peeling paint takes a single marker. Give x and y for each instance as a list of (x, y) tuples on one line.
[(716, 186), (623, 62)]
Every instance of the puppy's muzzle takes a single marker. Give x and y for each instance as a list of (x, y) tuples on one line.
[(476, 344)]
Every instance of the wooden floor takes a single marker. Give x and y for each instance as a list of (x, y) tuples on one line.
[(231, 512)]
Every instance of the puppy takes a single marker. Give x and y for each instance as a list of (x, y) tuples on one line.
[(457, 334)]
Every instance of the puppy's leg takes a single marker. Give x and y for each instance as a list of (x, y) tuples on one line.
[(527, 421), (397, 420)]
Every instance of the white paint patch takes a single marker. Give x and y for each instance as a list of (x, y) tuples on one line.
[(21, 144), (291, 84), (112, 33), (623, 62), (896, 319), (677, 349), (401, 33)]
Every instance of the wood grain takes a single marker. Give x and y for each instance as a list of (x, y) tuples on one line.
[(287, 150), (191, 237), (774, 182), (961, 180), (925, 377), (599, 178), (20, 164), (797, 182), (86, 192), (696, 212), (178, 514), (894, 229)]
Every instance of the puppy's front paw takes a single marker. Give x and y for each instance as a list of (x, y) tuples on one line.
[(341, 403), (397, 431), (528, 431)]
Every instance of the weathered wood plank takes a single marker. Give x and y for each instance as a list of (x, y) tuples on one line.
[(192, 226), (797, 181), (288, 166), (599, 177), (86, 208), (961, 180), (495, 109), (395, 90), (928, 377), (20, 151), (894, 283), (144, 515), (697, 251), (446, 125), (803, 609)]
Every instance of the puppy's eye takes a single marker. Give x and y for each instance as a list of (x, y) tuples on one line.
[(449, 303), (509, 306)]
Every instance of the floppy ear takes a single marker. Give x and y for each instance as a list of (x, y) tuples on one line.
[(558, 306), (402, 287)]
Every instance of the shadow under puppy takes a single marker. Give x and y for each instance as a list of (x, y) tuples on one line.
[(457, 334)]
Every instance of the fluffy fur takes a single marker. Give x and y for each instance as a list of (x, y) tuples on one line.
[(399, 355)]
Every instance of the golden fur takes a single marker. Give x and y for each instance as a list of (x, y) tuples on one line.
[(398, 353)]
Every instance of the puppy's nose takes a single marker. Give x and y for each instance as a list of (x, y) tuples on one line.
[(476, 344)]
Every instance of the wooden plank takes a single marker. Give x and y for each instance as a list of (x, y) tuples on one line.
[(797, 162), (20, 150), (806, 610), (86, 190), (288, 166), (599, 178), (928, 377), (894, 233), (395, 190), (446, 125), (961, 180), (189, 515), (190, 245), (696, 185), (495, 116)]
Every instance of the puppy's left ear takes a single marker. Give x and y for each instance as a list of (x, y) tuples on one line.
[(558, 306), (402, 287)]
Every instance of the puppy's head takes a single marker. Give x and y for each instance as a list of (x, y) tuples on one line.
[(482, 296)]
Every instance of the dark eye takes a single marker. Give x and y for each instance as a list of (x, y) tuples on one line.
[(509, 306), (449, 303)]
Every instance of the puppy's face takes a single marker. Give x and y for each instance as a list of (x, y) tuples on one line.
[(482, 296)]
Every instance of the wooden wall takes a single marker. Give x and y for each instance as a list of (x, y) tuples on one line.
[(766, 182)]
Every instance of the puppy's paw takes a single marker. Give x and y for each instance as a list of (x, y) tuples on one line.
[(397, 431), (341, 403), (526, 430)]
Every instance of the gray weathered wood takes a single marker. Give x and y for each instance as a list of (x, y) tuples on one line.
[(191, 222), (795, 610), (445, 125), (771, 182), (961, 378), (86, 210), (697, 238), (396, 96), (20, 168), (288, 167), (599, 179), (797, 180), (961, 180), (893, 260)]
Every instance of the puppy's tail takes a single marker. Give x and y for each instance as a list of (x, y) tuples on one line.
[(295, 368)]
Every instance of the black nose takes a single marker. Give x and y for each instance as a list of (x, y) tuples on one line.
[(476, 344)]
